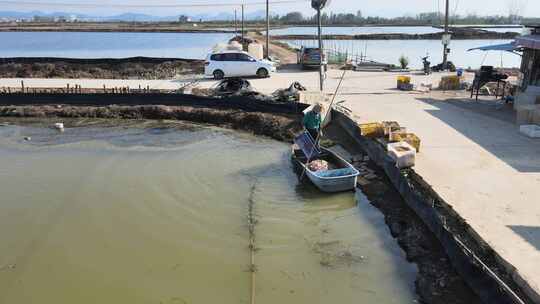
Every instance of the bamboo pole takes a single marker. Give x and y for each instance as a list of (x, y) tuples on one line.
[(252, 222)]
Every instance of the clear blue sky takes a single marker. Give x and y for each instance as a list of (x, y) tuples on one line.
[(530, 8)]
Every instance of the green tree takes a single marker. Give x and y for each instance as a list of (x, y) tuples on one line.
[(403, 62)]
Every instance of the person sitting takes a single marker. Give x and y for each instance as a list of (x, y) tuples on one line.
[(312, 122)]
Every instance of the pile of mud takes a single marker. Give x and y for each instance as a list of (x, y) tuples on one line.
[(129, 68), (281, 127)]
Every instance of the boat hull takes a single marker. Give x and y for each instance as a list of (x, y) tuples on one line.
[(333, 185), (330, 184)]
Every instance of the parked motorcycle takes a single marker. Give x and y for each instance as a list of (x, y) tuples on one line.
[(427, 65)]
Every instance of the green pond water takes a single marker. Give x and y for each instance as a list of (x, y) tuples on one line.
[(152, 213)]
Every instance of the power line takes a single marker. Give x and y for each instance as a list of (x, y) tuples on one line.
[(110, 5)]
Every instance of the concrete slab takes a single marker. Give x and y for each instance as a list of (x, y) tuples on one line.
[(474, 158)]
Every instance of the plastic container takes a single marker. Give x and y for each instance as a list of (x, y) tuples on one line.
[(403, 80), (532, 131), (403, 154), (396, 135), (59, 126), (372, 130), (256, 50), (409, 138), (390, 126), (450, 83)]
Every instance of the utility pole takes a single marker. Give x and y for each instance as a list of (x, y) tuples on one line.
[(267, 54), (242, 26), (446, 38), (319, 5), (321, 64)]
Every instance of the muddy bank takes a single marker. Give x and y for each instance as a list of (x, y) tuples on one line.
[(457, 34), (126, 68), (281, 127)]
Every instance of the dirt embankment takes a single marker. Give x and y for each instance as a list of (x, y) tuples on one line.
[(128, 68), (457, 34), (282, 51), (164, 27), (281, 127)]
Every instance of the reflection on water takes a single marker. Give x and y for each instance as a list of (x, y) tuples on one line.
[(146, 214)]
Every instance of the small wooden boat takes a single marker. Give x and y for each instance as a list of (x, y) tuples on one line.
[(340, 175)]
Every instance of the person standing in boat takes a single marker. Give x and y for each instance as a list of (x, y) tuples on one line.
[(312, 121)]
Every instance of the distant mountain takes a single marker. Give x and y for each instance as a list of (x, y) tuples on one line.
[(137, 17), (29, 15), (132, 16)]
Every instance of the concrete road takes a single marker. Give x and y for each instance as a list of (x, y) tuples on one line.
[(474, 157)]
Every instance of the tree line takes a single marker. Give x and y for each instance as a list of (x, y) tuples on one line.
[(430, 18)]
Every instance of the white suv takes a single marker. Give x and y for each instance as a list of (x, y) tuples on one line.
[(236, 63)]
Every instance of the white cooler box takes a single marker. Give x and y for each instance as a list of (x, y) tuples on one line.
[(403, 153)]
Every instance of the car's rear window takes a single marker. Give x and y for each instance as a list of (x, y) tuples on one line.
[(231, 57), (311, 51)]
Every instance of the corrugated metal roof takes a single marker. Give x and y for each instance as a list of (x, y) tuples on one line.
[(530, 41)]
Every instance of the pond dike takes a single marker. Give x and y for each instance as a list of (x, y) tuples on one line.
[(470, 256), (457, 34), (279, 121)]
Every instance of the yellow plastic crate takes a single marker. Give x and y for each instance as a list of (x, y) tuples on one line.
[(409, 138), (401, 80), (390, 126), (372, 130), (450, 83)]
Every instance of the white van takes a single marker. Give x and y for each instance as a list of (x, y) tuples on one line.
[(236, 63)]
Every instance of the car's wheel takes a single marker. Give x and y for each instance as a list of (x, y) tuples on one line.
[(262, 73), (218, 75)]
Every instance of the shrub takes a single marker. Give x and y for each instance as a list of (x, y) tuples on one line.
[(403, 61)]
